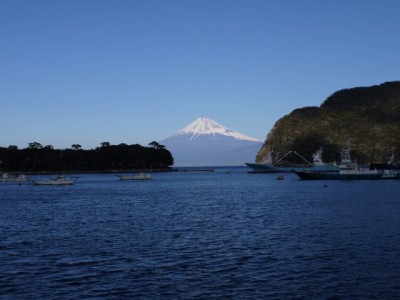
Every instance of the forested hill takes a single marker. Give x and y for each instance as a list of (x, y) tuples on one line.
[(368, 116), (37, 158)]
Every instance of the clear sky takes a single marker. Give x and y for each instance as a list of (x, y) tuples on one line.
[(89, 71)]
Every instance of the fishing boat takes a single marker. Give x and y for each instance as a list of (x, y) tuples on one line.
[(350, 170), (5, 177), (316, 166), (139, 176), (58, 180), (390, 165)]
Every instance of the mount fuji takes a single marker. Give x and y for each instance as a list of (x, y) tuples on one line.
[(208, 143)]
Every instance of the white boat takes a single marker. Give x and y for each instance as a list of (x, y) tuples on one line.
[(59, 180), (139, 176), (13, 178)]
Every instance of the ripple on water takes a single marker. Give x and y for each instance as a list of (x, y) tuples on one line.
[(201, 236)]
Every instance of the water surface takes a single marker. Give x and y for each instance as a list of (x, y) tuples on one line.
[(221, 235)]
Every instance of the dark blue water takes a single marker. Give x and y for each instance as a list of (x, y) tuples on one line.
[(201, 236)]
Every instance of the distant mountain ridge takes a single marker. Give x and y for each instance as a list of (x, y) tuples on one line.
[(368, 116), (205, 142)]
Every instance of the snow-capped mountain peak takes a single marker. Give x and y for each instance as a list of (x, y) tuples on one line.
[(205, 142), (205, 126)]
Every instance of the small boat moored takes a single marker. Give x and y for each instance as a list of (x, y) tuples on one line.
[(5, 177), (59, 180), (139, 176)]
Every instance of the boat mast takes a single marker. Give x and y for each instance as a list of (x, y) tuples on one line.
[(294, 152), (345, 153)]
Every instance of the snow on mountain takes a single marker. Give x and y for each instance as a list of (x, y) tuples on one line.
[(205, 126), (208, 143)]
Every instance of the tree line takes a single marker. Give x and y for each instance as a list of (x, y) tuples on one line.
[(107, 157)]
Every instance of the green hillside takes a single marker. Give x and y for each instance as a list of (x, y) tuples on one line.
[(368, 116)]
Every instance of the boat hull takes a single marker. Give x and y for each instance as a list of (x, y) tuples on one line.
[(338, 176), (35, 182), (133, 178), (13, 180), (269, 168), (136, 177)]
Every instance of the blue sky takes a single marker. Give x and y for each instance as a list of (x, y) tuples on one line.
[(85, 72)]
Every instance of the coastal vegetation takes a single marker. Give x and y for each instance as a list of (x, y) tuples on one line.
[(107, 157), (367, 116)]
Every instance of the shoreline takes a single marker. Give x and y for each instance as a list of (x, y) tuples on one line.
[(86, 172)]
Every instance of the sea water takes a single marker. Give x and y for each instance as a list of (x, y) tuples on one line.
[(220, 235)]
